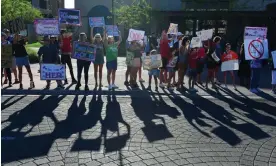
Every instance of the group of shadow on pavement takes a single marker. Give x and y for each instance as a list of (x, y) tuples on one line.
[(207, 117)]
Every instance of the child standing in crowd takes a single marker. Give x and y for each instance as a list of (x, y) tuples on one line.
[(201, 61), (218, 50), (66, 51), (111, 59), (154, 73), (171, 67), (49, 53), (193, 58), (183, 61), (165, 54), (22, 59), (6, 70), (82, 64)]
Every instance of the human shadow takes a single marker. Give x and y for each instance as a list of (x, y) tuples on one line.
[(4, 104)]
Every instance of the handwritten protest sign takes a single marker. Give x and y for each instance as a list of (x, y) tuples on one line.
[(52, 72), (255, 49), (273, 53), (152, 61), (129, 58), (172, 62), (215, 57), (112, 30), (196, 42), (173, 29), (96, 21), (135, 35), (17, 25), (255, 33), (69, 17), (46, 26), (230, 61), (6, 56), (205, 34), (84, 51)]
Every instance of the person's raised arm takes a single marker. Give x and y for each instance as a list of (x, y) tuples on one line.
[(120, 39), (104, 37), (92, 34)]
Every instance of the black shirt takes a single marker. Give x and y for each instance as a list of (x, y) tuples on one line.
[(153, 41), (19, 49)]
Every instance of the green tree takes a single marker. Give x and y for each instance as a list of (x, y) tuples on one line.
[(135, 15), (11, 9)]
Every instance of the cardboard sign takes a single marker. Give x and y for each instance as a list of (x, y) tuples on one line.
[(230, 65), (17, 25), (6, 56), (255, 49), (196, 42), (146, 61), (152, 62), (273, 53), (69, 17), (112, 30), (135, 35), (96, 21), (173, 29), (205, 34), (172, 62), (84, 51), (215, 57), (46, 26), (129, 58), (255, 33), (52, 72)]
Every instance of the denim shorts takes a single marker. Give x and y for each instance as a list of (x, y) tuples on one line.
[(22, 61), (170, 69), (154, 72), (112, 65)]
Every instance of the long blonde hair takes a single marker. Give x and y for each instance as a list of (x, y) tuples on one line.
[(98, 35)]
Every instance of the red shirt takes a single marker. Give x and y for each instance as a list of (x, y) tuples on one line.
[(66, 44), (193, 59), (165, 49), (201, 52)]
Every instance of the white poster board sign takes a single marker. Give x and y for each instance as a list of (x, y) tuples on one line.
[(46, 26), (255, 33), (273, 53), (173, 29), (255, 49), (196, 42), (215, 57), (135, 35), (152, 62), (52, 72), (230, 65), (172, 62), (205, 34)]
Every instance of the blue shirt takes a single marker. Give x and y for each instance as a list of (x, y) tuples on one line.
[(49, 53), (218, 50), (256, 63)]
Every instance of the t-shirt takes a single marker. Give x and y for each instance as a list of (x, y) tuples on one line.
[(49, 53), (66, 45), (111, 52), (19, 49), (218, 50), (201, 52), (193, 59), (165, 49)]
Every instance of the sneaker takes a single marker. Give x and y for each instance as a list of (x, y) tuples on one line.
[(86, 88), (5, 81), (225, 86), (114, 86), (126, 83), (161, 85), (21, 86), (141, 80), (254, 91), (78, 87), (16, 81), (149, 88), (59, 87), (32, 85), (235, 88)]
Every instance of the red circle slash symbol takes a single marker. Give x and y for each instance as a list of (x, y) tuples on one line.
[(256, 49)]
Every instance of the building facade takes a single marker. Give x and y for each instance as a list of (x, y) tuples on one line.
[(48, 8)]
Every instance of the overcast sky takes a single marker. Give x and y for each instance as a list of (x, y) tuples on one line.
[(69, 4)]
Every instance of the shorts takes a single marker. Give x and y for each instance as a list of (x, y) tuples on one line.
[(170, 69), (192, 73), (164, 63), (22, 61), (112, 65), (136, 62), (13, 62), (154, 72), (273, 73)]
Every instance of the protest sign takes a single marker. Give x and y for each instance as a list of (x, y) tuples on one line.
[(46, 26), (135, 35), (273, 53), (215, 57), (112, 30), (152, 61), (52, 71), (173, 29), (96, 21), (69, 17), (255, 49), (6, 56), (129, 58), (84, 51), (172, 62), (196, 42), (17, 25), (205, 34), (146, 61), (230, 65), (255, 33)]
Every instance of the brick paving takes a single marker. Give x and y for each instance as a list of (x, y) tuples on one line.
[(150, 129)]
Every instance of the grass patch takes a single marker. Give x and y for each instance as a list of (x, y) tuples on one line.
[(36, 45)]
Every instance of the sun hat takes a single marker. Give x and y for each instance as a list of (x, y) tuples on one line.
[(97, 35)]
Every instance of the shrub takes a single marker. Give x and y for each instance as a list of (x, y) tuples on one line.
[(33, 58)]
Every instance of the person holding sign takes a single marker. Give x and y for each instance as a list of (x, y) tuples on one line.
[(22, 59), (111, 59), (229, 55), (7, 70), (82, 64), (211, 66), (153, 72), (165, 54), (49, 52), (99, 60)]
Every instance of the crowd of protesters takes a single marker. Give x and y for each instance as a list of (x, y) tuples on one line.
[(190, 61)]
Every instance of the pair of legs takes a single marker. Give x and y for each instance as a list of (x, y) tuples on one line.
[(59, 83), (7, 73), (210, 77), (181, 74), (111, 73), (232, 76), (98, 68), (140, 74), (192, 78), (153, 73), (133, 75), (216, 74), (81, 64), (14, 70), (255, 79), (163, 73), (66, 59), (24, 61), (171, 75)]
